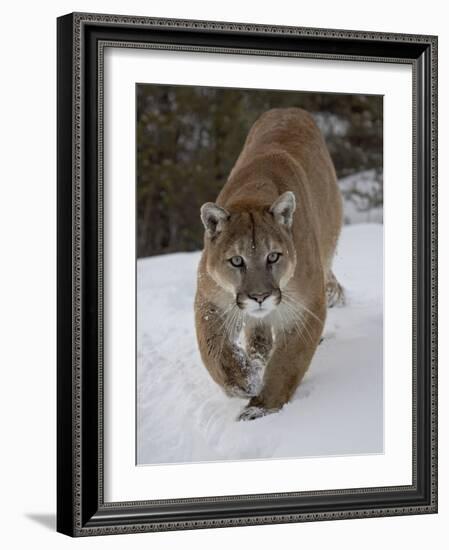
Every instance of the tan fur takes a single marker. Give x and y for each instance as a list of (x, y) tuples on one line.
[(265, 358)]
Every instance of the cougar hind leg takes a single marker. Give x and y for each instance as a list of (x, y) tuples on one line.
[(335, 293)]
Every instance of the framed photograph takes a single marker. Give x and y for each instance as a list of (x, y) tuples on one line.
[(247, 277)]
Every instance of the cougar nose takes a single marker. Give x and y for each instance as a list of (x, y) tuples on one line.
[(259, 296)]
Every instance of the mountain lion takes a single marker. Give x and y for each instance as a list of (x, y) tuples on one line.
[(265, 276)]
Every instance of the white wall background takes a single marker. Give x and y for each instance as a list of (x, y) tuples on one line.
[(28, 282)]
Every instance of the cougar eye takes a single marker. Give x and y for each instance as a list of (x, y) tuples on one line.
[(273, 257), (237, 261)]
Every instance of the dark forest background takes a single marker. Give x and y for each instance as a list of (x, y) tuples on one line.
[(188, 139)]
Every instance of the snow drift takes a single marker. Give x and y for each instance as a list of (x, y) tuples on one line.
[(183, 416)]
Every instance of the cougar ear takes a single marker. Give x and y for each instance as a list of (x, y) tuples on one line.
[(213, 217), (283, 208)]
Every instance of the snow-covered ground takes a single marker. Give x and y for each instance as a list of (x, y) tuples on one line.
[(183, 416)]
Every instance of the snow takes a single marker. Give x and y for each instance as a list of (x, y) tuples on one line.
[(183, 416), (368, 183)]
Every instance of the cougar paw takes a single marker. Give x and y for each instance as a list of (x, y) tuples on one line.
[(251, 412)]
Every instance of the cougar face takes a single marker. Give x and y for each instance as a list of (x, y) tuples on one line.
[(251, 253)]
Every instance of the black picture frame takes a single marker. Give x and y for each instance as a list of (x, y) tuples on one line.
[(81, 509)]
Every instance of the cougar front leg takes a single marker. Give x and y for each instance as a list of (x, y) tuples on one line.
[(258, 346), (225, 359), (287, 366)]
